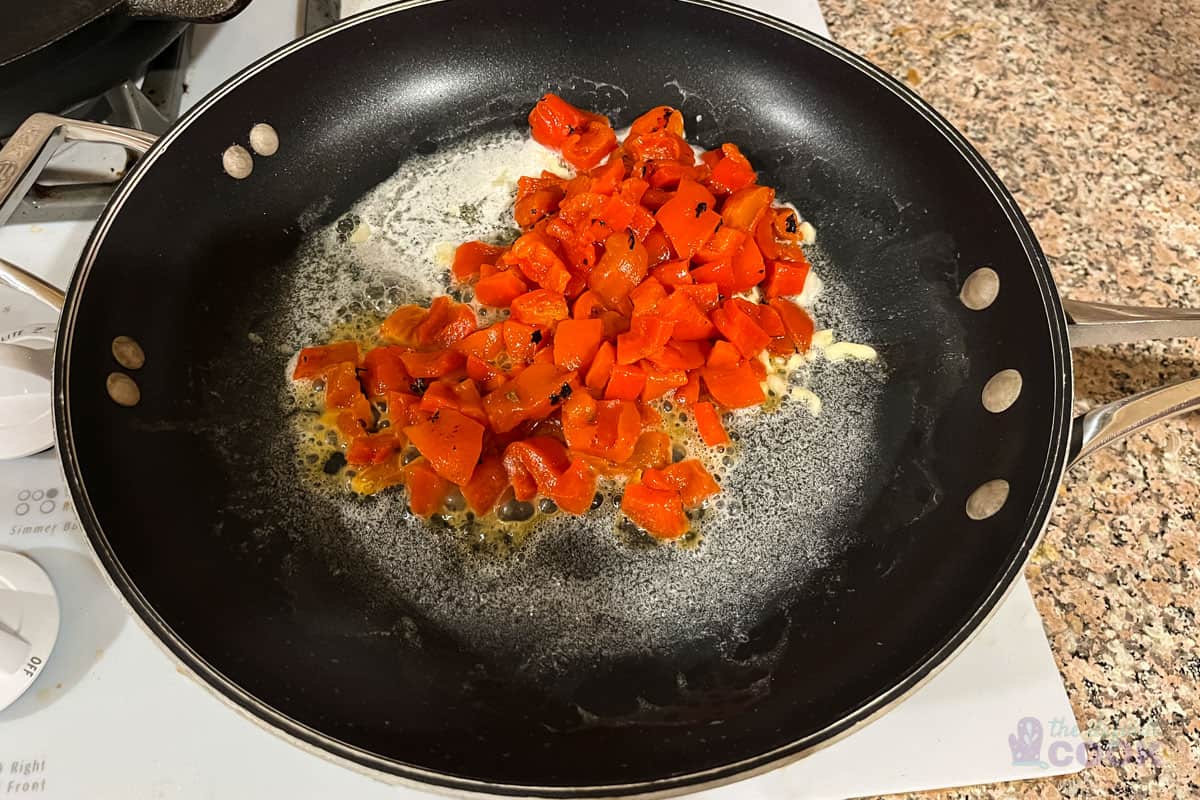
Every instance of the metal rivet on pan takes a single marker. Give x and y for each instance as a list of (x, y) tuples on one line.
[(980, 289), (123, 390), (128, 352), (987, 499), (237, 161), (264, 140), (1002, 390)]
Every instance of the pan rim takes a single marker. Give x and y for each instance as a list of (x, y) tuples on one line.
[(359, 759)]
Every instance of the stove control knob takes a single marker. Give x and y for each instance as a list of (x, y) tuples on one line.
[(28, 624)]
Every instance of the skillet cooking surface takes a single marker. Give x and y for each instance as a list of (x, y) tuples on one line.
[(582, 662)]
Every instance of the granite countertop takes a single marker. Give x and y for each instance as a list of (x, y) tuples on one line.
[(1088, 112)]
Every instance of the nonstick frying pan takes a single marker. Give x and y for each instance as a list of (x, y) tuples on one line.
[(833, 587)]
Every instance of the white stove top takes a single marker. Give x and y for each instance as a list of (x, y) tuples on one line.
[(111, 716)]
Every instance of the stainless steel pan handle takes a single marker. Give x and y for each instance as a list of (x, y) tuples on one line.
[(30, 284), (1098, 324), (22, 160), (28, 150)]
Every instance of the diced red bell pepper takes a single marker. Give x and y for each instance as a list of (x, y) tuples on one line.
[(661, 381), (769, 320), (486, 485), (722, 244), (658, 249), (470, 401), (532, 395), (796, 321), (662, 145), (589, 145), (657, 512), (402, 408), (685, 355), (537, 198), (427, 489), (646, 338), (618, 429), (501, 289), (723, 355), (653, 450), (432, 364), (622, 267), (704, 295), (785, 278), (439, 395), (576, 342), (314, 361), (642, 223), (740, 329), (625, 382), (540, 307), (647, 296), (342, 390), (708, 421), (400, 326), (689, 393), (748, 267), (373, 448), (744, 208), (692, 481), (534, 464), (470, 255), (778, 235), (731, 172), (688, 219), (600, 370), (383, 371), (521, 341), (485, 344), (606, 177), (719, 272), (672, 273), (659, 118), (451, 442), (575, 488), (377, 477), (733, 387), (539, 263), (690, 323), (553, 119)]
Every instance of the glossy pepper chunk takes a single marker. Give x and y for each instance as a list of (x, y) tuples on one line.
[(451, 442), (658, 512), (688, 219), (314, 361)]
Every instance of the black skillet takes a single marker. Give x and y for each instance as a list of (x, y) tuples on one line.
[(266, 594)]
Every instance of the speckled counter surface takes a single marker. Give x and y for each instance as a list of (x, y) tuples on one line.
[(1089, 112)]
